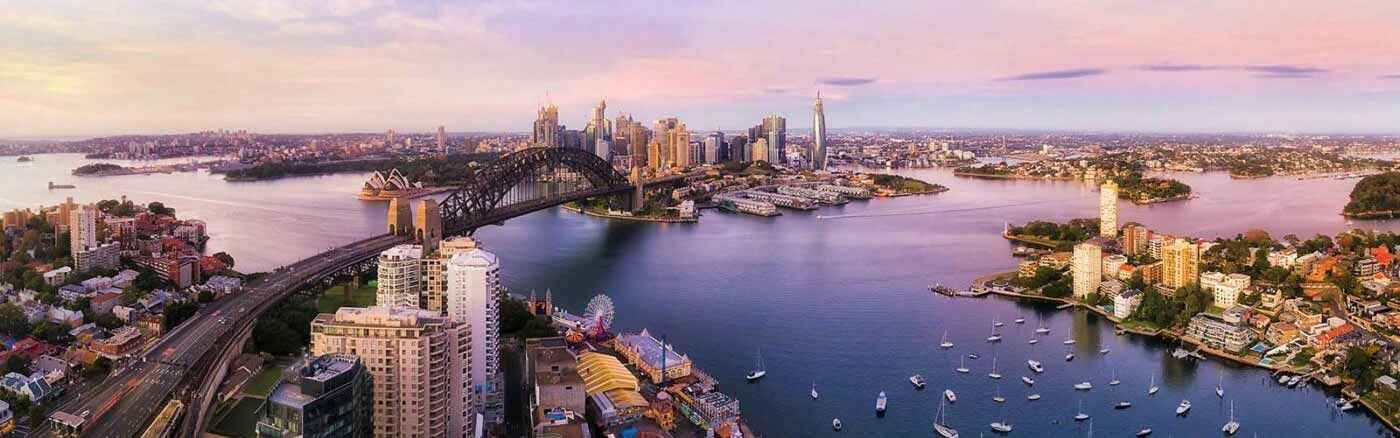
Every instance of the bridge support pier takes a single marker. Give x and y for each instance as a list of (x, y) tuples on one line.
[(638, 191)]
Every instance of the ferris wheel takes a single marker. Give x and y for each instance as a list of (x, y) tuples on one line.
[(599, 314)]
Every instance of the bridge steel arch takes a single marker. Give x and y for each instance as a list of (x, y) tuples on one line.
[(478, 201)]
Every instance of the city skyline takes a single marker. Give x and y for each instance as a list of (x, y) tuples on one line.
[(359, 66)]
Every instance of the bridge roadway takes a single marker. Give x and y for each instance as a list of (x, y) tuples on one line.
[(123, 404)]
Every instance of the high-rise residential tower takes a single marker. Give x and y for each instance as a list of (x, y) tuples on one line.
[(1181, 263), (473, 287), (816, 155), (775, 128), (419, 363), (1108, 209), (1087, 268), (400, 277), (442, 140)]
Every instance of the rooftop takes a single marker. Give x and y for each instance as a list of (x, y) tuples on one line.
[(649, 348)]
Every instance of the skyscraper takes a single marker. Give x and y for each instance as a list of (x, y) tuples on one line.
[(419, 362), (400, 277), (434, 277), (473, 285), (775, 129), (597, 129), (547, 130), (714, 146), (1108, 209), (816, 155), (1087, 268), (759, 150), (82, 229), (330, 396), (442, 140)]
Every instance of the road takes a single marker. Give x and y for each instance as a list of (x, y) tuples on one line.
[(123, 403)]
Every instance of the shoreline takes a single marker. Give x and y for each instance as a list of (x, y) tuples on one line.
[(936, 191), (1012, 177), (1367, 215), (1181, 197), (663, 220)]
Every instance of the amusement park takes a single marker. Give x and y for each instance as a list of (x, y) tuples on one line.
[(636, 384)]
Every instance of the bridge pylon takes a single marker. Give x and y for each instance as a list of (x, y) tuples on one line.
[(638, 190)]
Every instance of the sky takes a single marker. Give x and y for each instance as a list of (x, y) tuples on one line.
[(76, 67)]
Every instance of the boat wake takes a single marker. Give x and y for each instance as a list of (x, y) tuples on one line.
[(948, 210)]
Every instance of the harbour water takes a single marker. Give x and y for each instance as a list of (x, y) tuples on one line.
[(837, 296)]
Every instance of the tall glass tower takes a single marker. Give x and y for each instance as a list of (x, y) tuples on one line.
[(817, 154)]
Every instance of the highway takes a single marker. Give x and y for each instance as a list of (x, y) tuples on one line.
[(122, 404)]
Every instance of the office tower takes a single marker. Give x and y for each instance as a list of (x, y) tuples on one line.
[(637, 137), (653, 154), (1108, 209), (775, 129), (547, 130), (680, 145), (400, 276), (760, 150), (816, 155), (442, 140), (419, 362), (597, 128), (1181, 263), (390, 136), (473, 288), (714, 145), (427, 225), (1087, 268), (738, 149), (330, 396)]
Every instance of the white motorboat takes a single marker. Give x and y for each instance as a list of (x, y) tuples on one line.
[(1283, 380), (994, 338), (950, 395), (1033, 341), (994, 374), (814, 391), (1033, 397), (1035, 366), (1069, 357), (918, 381), (996, 323), (1295, 380), (1123, 405), (1028, 380), (1103, 351), (1083, 386), (758, 372), (1001, 427), (1069, 342), (836, 424), (1184, 407), (1220, 386), (1233, 426), (1347, 406), (1145, 432), (881, 402)]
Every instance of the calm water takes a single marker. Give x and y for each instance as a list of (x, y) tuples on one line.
[(835, 296)]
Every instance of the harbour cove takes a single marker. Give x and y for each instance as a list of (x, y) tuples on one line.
[(836, 296)]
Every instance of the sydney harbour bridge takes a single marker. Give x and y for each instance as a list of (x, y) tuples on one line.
[(190, 361)]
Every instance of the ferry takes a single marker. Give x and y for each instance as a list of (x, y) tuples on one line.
[(1184, 407), (880, 403), (836, 424), (1083, 386), (918, 381), (950, 395)]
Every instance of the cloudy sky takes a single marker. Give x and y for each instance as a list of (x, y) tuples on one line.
[(77, 67)]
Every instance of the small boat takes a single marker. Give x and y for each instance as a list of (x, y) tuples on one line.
[(962, 366), (1152, 385), (1283, 380), (940, 423), (1347, 406), (1034, 365), (1033, 341), (758, 371), (1069, 342), (994, 338), (1145, 432), (1040, 326), (1028, 380), (1084, 386), (1233, 426), (994, 374), (836, 424), (1069, 357), (946, 343), (1033, 397), (814, 391), (1123, 405), (1043, 330), (880, 403), (1081, 416), (1020, 320), (1219, 387), (1295, 380), (997, 396), (918, 381), (950, 395), (1001, 426), (1103, 351), (1184, 407), (1115, 381), (996, 323), (973, 356)]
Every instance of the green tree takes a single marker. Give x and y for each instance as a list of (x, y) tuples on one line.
[(158, 208), (178, 312), (206, 296), (225, 258), (17, 363), (12, 320)]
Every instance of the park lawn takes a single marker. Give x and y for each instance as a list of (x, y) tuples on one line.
[(261, 385), (334, 298)]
